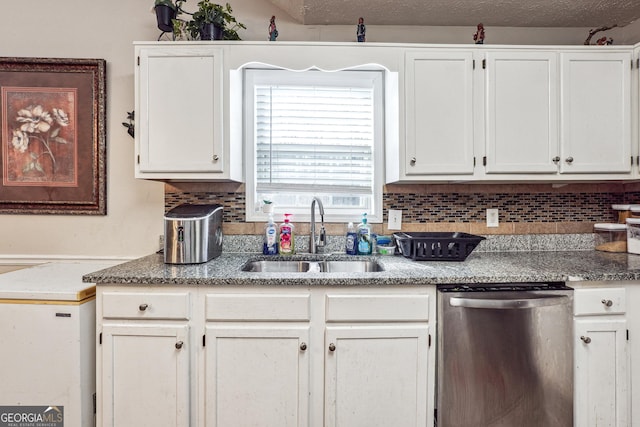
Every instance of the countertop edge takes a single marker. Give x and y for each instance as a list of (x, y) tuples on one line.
[(484, 267)]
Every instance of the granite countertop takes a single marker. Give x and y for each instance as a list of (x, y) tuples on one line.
[(479, 267)]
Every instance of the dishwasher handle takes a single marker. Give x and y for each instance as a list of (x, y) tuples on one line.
[(509, 304)]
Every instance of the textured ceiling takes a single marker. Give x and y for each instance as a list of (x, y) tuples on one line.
[(497, 13)]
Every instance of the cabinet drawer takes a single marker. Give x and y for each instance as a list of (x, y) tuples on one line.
[(140, 305), (599, 301), (377, 308), (294, 307)]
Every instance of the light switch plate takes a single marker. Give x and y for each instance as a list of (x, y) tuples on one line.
[(492, 218), (395, 219)]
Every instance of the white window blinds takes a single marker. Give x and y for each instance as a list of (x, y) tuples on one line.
[(316, 136)]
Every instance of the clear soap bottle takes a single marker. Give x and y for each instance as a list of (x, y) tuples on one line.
[(286, 243)]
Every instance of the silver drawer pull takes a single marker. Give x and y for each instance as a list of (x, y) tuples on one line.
[(303, 346), (607, 302), (143, 307), (179, 345), (586, 340), (332, 347)]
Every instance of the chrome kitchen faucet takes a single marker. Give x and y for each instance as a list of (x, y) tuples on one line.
[(322, 237)]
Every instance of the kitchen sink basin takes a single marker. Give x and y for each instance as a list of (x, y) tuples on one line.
[(328, 266)]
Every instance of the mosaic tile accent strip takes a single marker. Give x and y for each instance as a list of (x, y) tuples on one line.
[(233, 203), (514, 207), (632, 198), (539, 207)]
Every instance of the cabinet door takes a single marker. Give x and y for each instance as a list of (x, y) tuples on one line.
[(256, 376), (521, 112), (439, 112), (376, 376), (596, 112), (601, 383), (145, 376), (179, 110)]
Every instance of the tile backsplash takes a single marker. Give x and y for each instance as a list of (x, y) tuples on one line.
[(523, 208)]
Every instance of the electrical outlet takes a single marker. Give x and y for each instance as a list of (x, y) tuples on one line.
[(395, 219), (492, 218)]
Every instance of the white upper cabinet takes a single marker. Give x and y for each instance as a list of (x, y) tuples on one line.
[(529, 114), (180, 113), (451, 113), (596, 112), (439, 113), (521, 113)]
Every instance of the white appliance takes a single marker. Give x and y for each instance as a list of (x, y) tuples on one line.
[(47, 331)]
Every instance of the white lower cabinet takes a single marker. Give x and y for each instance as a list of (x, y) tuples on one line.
[(269, 357), (144, 357), (145, 376), (256, 359), (378, 358), (376, 376), (256, 376), (633, 322), (601, 387)]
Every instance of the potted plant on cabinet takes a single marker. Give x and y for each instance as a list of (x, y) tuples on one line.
[(214, 22), (166, 11)]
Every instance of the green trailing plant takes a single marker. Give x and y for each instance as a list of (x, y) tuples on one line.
[(219, 16)]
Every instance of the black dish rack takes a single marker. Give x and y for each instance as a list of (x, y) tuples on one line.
[(436, 246)]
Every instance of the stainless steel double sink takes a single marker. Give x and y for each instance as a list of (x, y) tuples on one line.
[(305, 266)]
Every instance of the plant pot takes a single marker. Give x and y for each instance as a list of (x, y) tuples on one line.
[(211, 32), (164, 15)]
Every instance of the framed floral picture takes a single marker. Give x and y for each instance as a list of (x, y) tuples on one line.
[(53, 122)]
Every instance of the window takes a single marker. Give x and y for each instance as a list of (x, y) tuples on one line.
[(314, 133)]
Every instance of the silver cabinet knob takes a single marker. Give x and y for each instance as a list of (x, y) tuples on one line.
[(412, 161), (556, 159), (143, 307), (332, 347), (607, 302), (569, 160), (303, 346), (215, 158), (179, 345), (586, 340)]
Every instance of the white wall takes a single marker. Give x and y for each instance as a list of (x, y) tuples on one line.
[(627, 35), (106, 29)]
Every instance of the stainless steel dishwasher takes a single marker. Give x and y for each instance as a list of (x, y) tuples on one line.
[(505, 355)]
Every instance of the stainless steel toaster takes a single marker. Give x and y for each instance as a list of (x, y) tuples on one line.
[(192, 233)]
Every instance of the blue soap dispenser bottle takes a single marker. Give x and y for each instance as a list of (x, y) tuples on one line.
[(351, 243)]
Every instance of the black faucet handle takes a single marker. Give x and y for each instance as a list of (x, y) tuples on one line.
[(322, 237)]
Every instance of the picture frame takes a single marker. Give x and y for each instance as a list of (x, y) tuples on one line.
[(53, 136)]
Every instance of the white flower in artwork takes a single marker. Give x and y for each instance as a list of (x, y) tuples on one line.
[(61, 117), (34, 123), (20, 140), (34, 119)]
